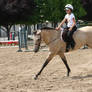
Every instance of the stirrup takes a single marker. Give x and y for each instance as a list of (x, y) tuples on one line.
[(68, 47), (67, 50), (72, 45)]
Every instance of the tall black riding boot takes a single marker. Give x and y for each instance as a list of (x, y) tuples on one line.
[(68, 46), (72, 44)]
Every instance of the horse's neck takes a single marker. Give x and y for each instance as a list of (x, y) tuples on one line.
[(49, 36)]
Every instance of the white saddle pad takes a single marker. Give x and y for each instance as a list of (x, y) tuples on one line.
[(61, 33)]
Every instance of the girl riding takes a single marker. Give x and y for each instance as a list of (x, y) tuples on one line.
[(71, 26)]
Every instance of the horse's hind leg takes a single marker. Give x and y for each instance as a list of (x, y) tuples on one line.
[(65, 62), (44, 65)]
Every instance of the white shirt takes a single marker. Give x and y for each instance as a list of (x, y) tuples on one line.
[(69, 18)]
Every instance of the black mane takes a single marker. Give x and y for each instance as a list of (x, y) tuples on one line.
[(48, 28)]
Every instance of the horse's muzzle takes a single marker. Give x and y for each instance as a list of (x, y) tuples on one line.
[(36, 49)]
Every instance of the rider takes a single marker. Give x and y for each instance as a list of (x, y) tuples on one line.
[(71, 25)]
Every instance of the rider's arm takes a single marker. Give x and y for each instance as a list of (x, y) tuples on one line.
[(74, 23), (64, 20)]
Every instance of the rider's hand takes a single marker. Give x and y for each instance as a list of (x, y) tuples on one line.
[(57, 28), (70, 29)]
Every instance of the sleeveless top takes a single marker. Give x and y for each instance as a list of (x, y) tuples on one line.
[(69, 18)]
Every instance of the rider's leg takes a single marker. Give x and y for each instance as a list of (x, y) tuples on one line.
[(71, 37), (70, 43), (68, 46)]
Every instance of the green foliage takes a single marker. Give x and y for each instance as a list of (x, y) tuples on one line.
[(53, 10), (50, 10), (78, 8)]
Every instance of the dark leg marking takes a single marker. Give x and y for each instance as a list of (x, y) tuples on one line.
[(44, 65), (67, 66), (65, 62)]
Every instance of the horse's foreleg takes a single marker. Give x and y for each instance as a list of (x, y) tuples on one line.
[(44, 65), (65, 62)]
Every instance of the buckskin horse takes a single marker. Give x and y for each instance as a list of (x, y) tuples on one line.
[(52, 38)]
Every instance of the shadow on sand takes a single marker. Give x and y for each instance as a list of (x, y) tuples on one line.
[(82, 77)]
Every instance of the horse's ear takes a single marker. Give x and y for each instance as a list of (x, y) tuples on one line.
[(35, 32), (38, 32)]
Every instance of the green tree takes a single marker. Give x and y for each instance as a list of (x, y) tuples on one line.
[(53, 10), (79, 11)]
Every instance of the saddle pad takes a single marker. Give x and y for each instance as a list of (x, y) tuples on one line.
[(61, 36)]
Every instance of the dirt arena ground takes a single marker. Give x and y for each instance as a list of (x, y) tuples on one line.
[(17, 72)]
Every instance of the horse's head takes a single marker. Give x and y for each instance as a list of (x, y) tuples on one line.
[(37, 40)]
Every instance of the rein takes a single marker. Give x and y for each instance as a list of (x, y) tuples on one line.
[(52, 41)]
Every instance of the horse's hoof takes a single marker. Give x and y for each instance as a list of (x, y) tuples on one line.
[(68, 74), (35, 78)]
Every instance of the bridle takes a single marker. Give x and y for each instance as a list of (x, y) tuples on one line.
[(48, 42), (39, 39)]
